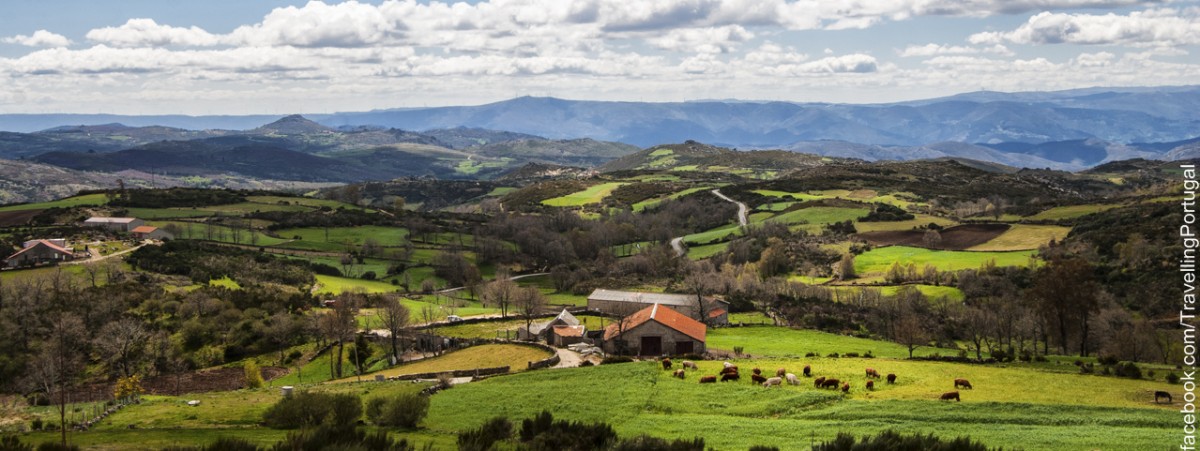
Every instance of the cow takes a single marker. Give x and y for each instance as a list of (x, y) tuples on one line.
[(729, 369), (962, 383), (780, 372), (871, 373), (707, 379), (891, 378), (727, 364), (679, 373), (773, 381), (730, 376), (951, 395), (791, 379), (870, 385), (757, 378), (818, 381), (831, 383), (666, 362), (846, 388), (807, 371), (756, 371), (689, 365), (1163, 394)]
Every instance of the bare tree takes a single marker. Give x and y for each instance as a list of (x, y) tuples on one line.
[(910, 332), (283, 331), (701, 281), (500, 293), (529, 303), (345, 323), (123, 343), (59, 362), (394, 317)]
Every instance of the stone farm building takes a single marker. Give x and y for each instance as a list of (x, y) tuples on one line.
[(544, 331), (114, 224), (653, 331), (621, 303), (146, 232), (37, 252)]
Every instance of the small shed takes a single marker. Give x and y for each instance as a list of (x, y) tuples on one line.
[(37, 252), (563, 336), (655, 330), (542, 331)]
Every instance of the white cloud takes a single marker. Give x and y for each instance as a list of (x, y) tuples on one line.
[(40, 38), (938, 49), (703, 40), (1160, 27), (148, 33), (316, 24)]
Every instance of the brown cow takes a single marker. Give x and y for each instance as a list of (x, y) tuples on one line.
[(951, 395), (891, 378), (831, 383), (708, 379), (870, 385), (729, 369), (818, 381), (871, 373), (730, 376), (846, 388), (666, 363), (1163, 394), (679, 373), (757, 378), (962, 383), (780, 372), (756, 371), (807, 371)]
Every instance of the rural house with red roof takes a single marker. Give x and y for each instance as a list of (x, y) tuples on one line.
[(653, 331), (38, 252), (146, 232)]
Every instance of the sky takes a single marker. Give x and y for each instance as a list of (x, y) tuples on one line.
[(279, 57)]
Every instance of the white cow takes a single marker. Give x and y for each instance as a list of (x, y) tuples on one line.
[(773, 381), (689, 364), (791, 379)]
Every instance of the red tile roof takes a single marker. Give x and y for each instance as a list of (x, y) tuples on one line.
[(568, 331), (716, 312), (46, 243), (662, 315), (143, 229)]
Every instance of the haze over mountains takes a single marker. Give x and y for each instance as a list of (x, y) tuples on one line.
[(1069, 130)]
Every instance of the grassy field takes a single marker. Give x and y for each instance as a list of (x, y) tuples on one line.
[(917, 221), (220, 233), (717, 234), (86, 199), (1063, 412), (1071, 211), (705, 251), (813, 218), (782, 342), (336, 285), (338, 239), (930, 291), (650, 203), (876, 262), (592, 195), (516, 357), (1024, 237)]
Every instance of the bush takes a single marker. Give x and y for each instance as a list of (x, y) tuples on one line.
[(369, 275), (403, 411), (482, 439), (833, 355), (1127, 369), (890, 440), (763, 448), (542, 433), (648, 443), (307, 409), (1001, 356), (1108, 360), (1172, 378), (850, 354), (253, 375), (12, 443), (36, 424), (55, 446), (616, 359), (326, 438)]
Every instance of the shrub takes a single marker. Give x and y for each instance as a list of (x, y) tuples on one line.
[(253, 375), (307, 409), (890, 440), (369, 275), (12, 443), (1172, 378), (1127, 369), (403, 411), (55, 446), (1001, 356), (763, 448), (1108, 360), (36, 424), (615, 359), (810, 354), (738, 350), (330, 439), (833, 355), (489, 433), (850, 354), (648, 443)]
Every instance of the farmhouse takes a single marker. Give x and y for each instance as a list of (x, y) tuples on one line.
[(621, 303), (563, 336), (114, 224), (655, 330), (146, 232), (543, 331), (38, 252)]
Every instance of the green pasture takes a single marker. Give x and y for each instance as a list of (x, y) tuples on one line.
[(592, 195), (74, 201), (1070, 212), (516, 357), (842, 292), (876, 262), (919, 220), (338, 239)]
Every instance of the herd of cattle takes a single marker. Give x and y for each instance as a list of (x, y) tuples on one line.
[(729, 372)]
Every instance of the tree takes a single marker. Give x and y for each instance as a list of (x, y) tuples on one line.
[(123, 343), (59, 361), (910, 332), (701, 281), (529, 302), (845, 267), (500, 293), (932, 238), (283, 331), (345, 324), (394, 317), (1064, 292)]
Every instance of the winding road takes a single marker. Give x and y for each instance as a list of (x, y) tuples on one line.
[(743, 220)]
